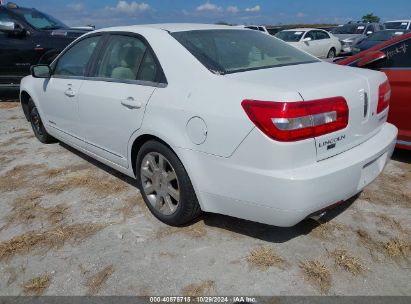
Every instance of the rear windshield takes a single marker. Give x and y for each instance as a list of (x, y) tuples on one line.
[(396, 25), (231, 51), (290, 36), (385, 35), (349, 29)]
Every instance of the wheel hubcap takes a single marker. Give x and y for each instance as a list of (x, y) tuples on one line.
[(160, 183)]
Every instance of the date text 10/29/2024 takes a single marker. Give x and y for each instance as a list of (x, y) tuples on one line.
[(203, 299)]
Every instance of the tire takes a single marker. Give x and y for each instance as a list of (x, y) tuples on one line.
[(165, 185), (37, 125), (331, 53)]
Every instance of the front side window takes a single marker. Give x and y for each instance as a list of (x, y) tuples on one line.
[(5, 19), (231, 51), (290, 36), (320, 35), (39, 20), (75, 61)]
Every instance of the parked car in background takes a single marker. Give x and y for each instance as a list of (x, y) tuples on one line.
[(394, 59), (377, 38), (27, 37), (352, 33), (272, 138), (260, 28), (317, 42), (398, 25)]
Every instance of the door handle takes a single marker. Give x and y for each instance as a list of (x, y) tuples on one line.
[(69, 92), (131, 103)]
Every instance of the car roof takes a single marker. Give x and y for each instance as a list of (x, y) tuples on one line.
[(374, 48), (303, 29), (171, 27)]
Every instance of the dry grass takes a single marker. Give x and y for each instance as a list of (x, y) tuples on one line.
[(37, 286), (19, 130), (28, 208), (19, 177), (347, 262), (101, 186), (318, 274), (96, 282), (9, 104), (196, 230), (46, 240), (52, 173), (388, 189), (328, 231), (200, 289), (264, 257), (128, 209), (398, 248), (390, 222)]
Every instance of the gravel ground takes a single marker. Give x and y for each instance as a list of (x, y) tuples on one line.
[(72, 226)]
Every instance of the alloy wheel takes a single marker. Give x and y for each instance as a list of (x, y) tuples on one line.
[(160, 183)]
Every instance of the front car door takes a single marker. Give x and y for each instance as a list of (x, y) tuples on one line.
[(310, 46), (114, 96), (17, 53), (60, 94)]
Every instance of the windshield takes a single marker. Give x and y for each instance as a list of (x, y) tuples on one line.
[(290, 36), (230, 51), (349, 29), (396, 25), (385, 35), (40, 20)]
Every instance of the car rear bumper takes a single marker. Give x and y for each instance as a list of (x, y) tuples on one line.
[(285, 197)]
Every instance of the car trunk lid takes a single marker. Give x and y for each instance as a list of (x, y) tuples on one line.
[(323, 80)]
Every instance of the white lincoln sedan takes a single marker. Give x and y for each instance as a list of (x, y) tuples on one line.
[(216, 119)]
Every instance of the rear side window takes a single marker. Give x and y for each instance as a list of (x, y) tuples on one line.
[(75, 61), (231, 51), (320, 35), (127, 58)]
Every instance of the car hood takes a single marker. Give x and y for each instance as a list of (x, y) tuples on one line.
[(67, 33), (349, 36)]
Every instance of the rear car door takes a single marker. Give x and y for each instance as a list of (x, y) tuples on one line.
[(324, 43), (113, 99), (60, 92), (17, 53)]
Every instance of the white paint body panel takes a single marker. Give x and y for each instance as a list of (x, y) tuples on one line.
[(236, 170)]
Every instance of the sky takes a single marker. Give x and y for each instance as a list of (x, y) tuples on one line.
[(103, 13)]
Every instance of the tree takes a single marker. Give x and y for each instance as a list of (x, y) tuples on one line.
[(371, 18)]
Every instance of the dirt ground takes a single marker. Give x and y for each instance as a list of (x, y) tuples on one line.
[(71, 226)]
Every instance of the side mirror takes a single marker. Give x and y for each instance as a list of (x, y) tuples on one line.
[(371, 58), (369, 33), (10, 27), (306, 39), (41, 71)]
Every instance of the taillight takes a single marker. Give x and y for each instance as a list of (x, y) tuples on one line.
[(292, 121), (384, 96)]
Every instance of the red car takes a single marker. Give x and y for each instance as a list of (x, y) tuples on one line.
[(392, 57)]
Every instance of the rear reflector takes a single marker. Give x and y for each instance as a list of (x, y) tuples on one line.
[(384, 96), (292, 121)]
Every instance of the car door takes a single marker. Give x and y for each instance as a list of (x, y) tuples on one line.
[(324, 43), (397, 66), (59, 100), (17, 53), (113, 99), (310, 46)]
